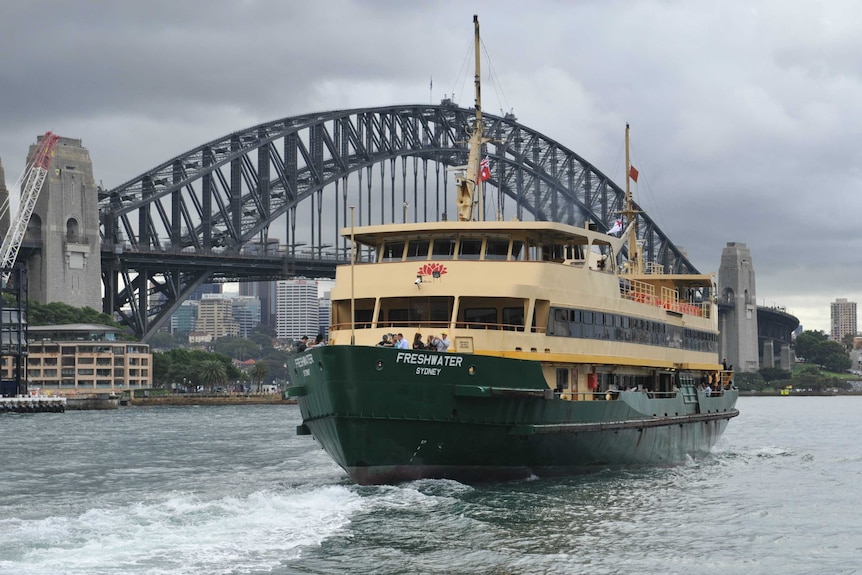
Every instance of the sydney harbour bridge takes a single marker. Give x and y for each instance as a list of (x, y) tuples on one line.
[(270, 202)]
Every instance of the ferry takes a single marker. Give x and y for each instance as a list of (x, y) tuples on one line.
[(552, 350)]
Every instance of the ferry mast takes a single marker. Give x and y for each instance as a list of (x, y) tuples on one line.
[(467, 181)]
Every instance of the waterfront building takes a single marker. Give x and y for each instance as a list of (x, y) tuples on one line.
[(297, 309), (843, 319), (85, 357)]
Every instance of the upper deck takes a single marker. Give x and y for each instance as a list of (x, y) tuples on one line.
[(536, 242)]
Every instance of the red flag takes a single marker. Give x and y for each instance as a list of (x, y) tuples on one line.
[(485, 170), (633, 173)]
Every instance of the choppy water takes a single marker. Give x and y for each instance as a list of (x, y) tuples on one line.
[(218, 490)]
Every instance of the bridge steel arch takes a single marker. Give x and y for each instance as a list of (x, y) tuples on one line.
[(206, 215)]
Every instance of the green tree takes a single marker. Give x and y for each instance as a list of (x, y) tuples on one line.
[(58, 313), (807, 341), (817, 348), (211, 373), (774, 374), (258, 372), (182, 365)]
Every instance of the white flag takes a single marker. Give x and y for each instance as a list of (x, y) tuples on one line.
[(617, 227)]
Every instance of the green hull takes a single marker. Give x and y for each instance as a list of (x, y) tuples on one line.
[(387, 415)]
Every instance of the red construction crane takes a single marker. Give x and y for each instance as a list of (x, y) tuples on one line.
[(33, 177)]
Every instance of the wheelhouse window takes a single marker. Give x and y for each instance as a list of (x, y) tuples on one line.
[(418, 249), (392, 252), (517, 250), (469, 249), (497, 249), (443, 249)]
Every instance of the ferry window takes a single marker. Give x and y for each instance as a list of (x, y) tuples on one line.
[(513, 317), (443, 248), (418, 249), (393, 251), (441, 308), (560, 325), (486, 317), (364, 317), (496, 249), (398, 315), (517, 250), (469, 249), (562, 379)]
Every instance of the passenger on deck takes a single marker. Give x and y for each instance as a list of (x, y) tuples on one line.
[(417, 341), (303, 344), (708, 390), (400, 342), (443, 342), (385, 342)]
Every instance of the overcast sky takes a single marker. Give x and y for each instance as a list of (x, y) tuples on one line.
[(746, 114)]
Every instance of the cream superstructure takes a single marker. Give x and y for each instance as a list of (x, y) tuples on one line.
[(529, 290)]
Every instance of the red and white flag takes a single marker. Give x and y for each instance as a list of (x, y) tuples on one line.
[(633, 173), (485, 169), (617, 227)]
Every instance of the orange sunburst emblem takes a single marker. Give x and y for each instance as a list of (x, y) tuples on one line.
[(434, 270)]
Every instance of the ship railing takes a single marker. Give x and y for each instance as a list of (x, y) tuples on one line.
[(439, 325), (642, 292), (610, 395)]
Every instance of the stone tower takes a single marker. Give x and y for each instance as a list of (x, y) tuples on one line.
[(4, 196), (737, 306), (65, 224)]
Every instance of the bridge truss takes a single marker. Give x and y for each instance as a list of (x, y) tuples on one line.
[(269, 202)]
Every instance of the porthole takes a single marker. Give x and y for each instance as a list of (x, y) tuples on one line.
[(471, 370), (379, 364)]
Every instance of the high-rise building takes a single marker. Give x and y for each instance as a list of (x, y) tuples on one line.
[(183, 320), (297, 310), (246, 313), (325, 317), (843, 315), (263, 290), (215, 316)]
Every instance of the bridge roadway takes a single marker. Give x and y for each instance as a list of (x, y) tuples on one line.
[(305, 175)]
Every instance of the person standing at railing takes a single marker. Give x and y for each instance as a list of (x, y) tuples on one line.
[(442, 343), (417, 341)]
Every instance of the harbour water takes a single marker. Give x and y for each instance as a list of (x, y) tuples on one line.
[(232, 490)]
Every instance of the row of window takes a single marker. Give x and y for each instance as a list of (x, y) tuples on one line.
[(590, 324), (78, 349), (116, 361), (107, 383), (85, 372), (451, 248)]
